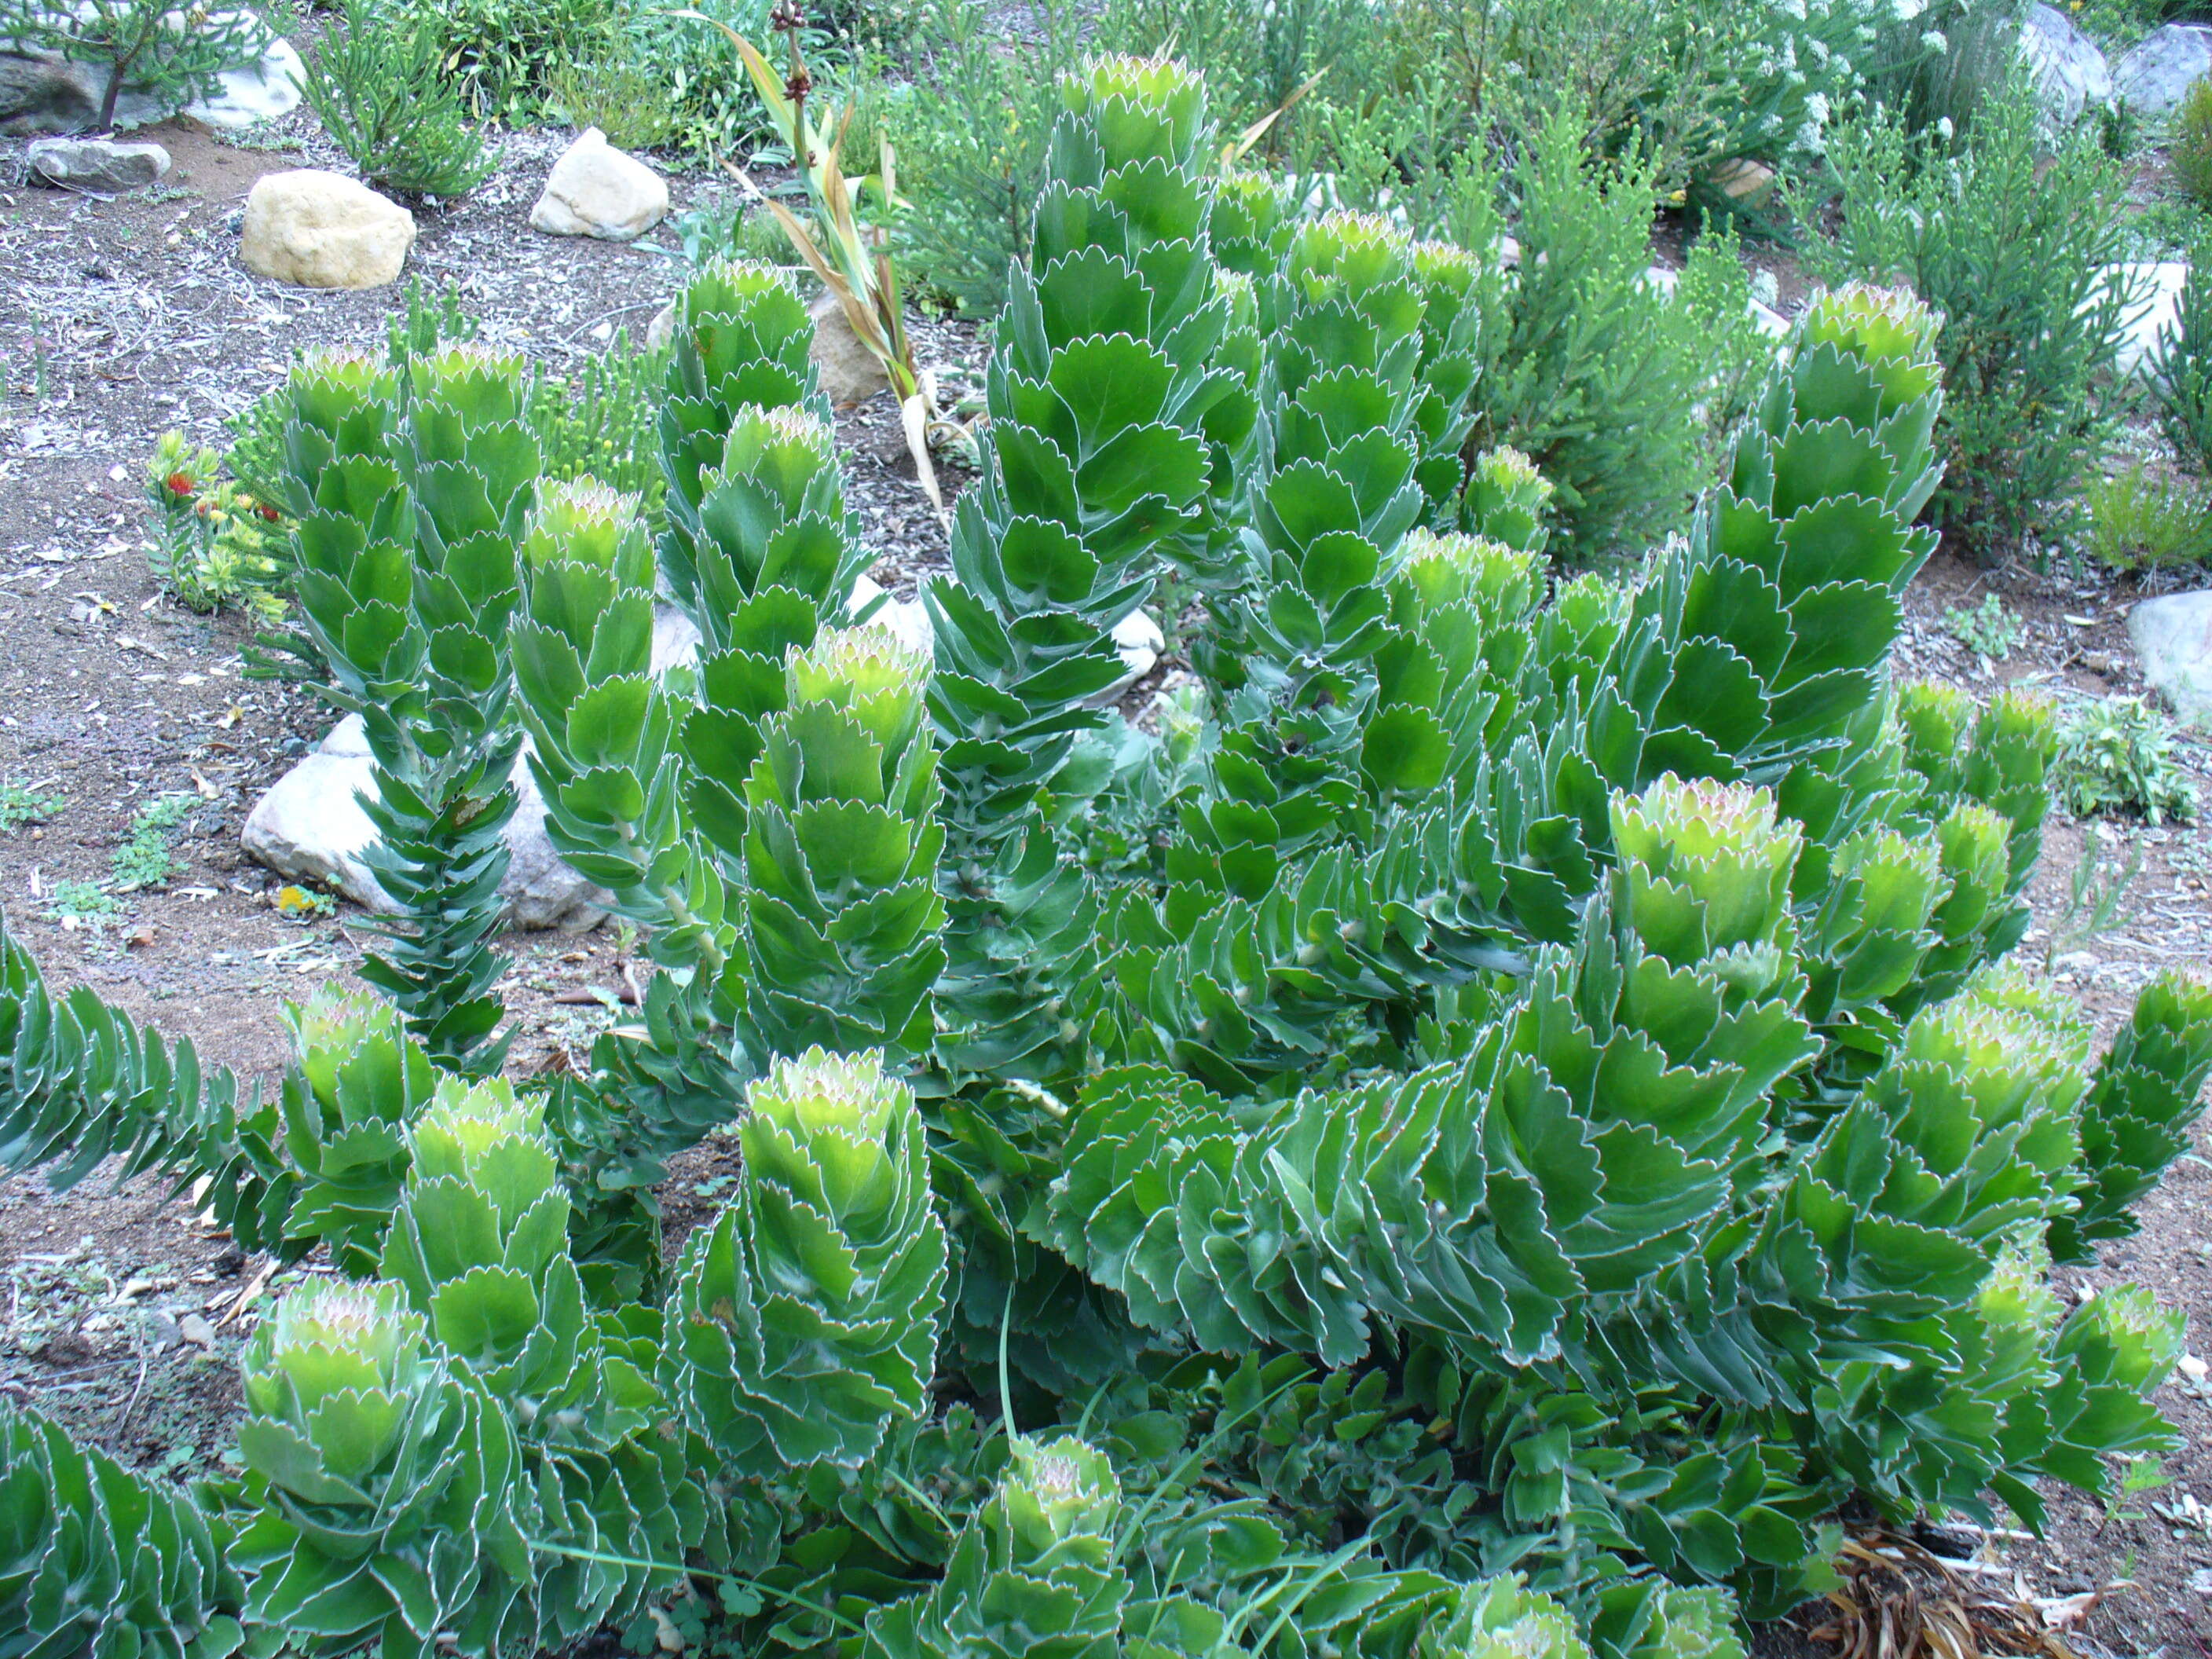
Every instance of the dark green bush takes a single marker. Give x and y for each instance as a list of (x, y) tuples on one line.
[(2009, 244)]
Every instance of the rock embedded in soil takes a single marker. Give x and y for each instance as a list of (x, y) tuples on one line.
[(2172, 637), (2067, 72), (316, 229), (848, 371), (103, 166), (309, 827), (598, 190), (2155, 75)]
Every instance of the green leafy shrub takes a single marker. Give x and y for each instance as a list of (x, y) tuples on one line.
[(2010, 250), (625, 98), (178, 56), (2189, 144), (2138, 522), (1613, 388), (23, 804), (499, 52), (147, 857), (970, 128), (1543, 1123), (2116, 755), (378, 90)]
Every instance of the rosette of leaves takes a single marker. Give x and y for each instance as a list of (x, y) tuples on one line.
[(842, 916), (356, 1082), (1332, 492), (2141, 1105), (609, 759), (381, 1485), (98, 1561), (1507, 500), (1106, 415), (480, 1247), (82, 1082), (805, 1319), (1033, 1573), (406, 528), (741, 339)]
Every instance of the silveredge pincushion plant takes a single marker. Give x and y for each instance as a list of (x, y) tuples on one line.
[(1481, 1135)]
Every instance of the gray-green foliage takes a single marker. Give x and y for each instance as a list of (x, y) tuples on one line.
[(1482, 1136)]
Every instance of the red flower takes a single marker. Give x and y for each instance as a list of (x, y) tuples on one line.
[(267, 511), (179, 484)]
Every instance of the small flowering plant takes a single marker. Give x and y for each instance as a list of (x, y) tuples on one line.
[(214, 544)]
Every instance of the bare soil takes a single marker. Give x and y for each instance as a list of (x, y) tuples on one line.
[(121, 1312)]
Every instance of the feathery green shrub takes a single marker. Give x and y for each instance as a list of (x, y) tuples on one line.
[(378, 90), (2012, 247), (1481, 1137)]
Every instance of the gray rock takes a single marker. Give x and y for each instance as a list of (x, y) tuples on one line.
[(102, 167), (196, 1330), (310, 827), (2070, 74), (2172, 637), (2157, 72), (40, 93)]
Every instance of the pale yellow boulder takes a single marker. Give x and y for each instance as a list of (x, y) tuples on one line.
[(324, 230)]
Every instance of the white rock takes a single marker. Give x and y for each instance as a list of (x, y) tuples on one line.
[(104, 166), (260, 92), (662, 328), (2156, 73), (323, 230), (1770, 322), (596, 190), (2152, 306), (675, 639), (2070, 74), (2172, 638), (1139, 641), (310, 827)]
